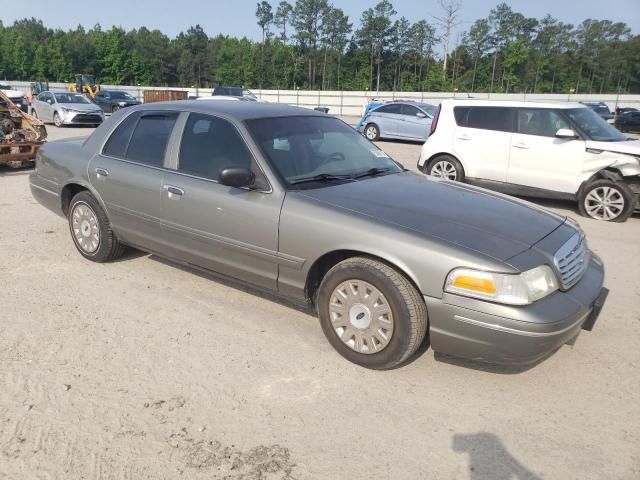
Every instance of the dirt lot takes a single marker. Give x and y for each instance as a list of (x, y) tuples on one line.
[(139, 369)]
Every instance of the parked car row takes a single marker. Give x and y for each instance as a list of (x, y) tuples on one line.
[(298, 203)]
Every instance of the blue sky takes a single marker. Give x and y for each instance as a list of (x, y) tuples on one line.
[(236, 17)]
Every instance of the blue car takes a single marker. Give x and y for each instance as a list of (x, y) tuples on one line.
[(398, 120)]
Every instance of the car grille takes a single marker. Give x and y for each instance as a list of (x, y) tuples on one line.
[(81, 118), (572, 260)]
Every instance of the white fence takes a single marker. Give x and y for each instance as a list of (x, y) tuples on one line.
[(352, 103)]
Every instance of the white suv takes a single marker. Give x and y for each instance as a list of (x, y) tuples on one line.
[(537, 149)]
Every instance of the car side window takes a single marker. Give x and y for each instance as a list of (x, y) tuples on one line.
[(540, 122), (150, 138), (393, 108), (409, 110), (211, 144), (485, 118), (118, 142)]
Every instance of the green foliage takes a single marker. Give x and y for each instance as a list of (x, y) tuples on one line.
[(313, 44)]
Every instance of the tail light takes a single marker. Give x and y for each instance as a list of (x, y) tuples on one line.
[(434, 122)]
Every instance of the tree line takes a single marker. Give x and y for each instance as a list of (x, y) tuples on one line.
[(312, 44)]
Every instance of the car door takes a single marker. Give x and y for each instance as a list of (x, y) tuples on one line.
[(233, 231), (102, 100), (388, 118), (128, 175), (538, 158), (482, 140), (415, 123), (45, 108)]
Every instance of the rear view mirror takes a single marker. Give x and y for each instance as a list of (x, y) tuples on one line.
[(566, 133), (237, 177)]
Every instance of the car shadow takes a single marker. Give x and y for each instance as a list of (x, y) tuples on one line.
[(498, 369), (489, 459), (14, 172)]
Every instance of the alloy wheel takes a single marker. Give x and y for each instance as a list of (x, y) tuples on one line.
[(604, 203), (371, 132), (444, 169)]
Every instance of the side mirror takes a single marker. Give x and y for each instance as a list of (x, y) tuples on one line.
[(236, 177), (49, 101), (566, 133), (421, 115)]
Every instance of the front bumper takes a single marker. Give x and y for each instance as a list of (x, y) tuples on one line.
[(493, 333), (82, 118)]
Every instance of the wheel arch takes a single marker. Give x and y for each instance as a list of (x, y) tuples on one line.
[(435, 155), (327, 261), (608, 173), (71, 189)]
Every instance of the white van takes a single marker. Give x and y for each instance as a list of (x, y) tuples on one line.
[(537, 149)]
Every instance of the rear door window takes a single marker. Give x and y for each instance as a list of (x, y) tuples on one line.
[(485, 118), (409, 110), (150, 138), (394, 108)]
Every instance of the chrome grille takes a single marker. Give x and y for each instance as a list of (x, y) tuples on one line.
[(571, 260)]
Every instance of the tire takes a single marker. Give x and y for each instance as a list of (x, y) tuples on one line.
[(372, 132), (57, 121), (600, 194), (381, 343), (445, 166), (115, 108), (91, 231), (34, 113)]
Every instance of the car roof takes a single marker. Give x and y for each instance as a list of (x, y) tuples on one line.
[(511, 103), (235, 109)]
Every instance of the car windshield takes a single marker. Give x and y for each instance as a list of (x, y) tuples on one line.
[(312, 152), (70, 98), (5, 87), (123, 95), (594, 126), (430, 109)]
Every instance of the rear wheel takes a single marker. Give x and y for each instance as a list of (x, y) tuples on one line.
[(606, 200), (372, 132), (445, 166), (370, 313), (91, 230)]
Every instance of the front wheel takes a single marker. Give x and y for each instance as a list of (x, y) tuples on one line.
[(34, 114), (606, 200), (372, 132), (91, 230), (57, 119), (370, 313), (115, 108), (445, 166)]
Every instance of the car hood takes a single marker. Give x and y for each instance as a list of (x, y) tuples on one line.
[(474, 218), (81, 107), (630, 147)]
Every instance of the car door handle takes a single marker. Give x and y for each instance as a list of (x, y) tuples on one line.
[(463, 137), (521, 145), (173, 191), (101, 172)]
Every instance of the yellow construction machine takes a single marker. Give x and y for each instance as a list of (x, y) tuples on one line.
[(85, 84)]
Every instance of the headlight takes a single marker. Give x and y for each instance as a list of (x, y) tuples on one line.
[(68, 110), (512, 289), (122, 104)]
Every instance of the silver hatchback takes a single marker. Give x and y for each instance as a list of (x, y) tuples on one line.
[(398, 120)]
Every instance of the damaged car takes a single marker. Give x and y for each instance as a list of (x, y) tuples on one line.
[(537, 149), (20, 134)]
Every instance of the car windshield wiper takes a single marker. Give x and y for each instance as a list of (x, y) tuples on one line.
[(371, 172), (322, 177)]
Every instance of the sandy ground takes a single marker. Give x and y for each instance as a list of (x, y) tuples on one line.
[(139, 369)]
